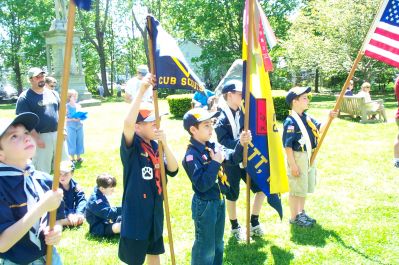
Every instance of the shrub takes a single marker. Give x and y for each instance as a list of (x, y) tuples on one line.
[(179, 104), (281, 107)]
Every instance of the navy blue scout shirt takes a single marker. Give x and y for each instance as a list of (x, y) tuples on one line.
[(45, 105), (99, 212), (74, 199), (203, 171), (13, 206), (292, 134), (224, 131), (142, 209)]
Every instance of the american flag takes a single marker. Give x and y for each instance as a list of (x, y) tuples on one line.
[(382, 42)]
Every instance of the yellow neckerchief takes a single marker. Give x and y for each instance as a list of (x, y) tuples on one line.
[(312, 126), (221, 175)]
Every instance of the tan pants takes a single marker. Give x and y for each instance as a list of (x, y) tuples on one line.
[(44, 157), (306, 182)]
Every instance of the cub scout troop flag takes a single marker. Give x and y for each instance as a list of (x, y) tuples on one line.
[(265, 154), (171, 68), (382, 42)]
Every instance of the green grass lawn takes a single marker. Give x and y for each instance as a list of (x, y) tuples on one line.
[(355, 203)]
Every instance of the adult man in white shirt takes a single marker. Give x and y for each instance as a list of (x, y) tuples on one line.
[(133, 85)]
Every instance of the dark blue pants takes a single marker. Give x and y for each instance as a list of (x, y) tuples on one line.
[(209, 217)]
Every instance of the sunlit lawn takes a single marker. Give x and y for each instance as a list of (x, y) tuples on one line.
[(355, 204)]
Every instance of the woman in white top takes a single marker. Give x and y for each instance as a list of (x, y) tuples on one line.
[(372, 105)]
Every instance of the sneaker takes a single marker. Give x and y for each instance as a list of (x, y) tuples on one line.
[(396, 164), (310, 219), (300, 220), (239, 234), (257, 230), (79, 161)]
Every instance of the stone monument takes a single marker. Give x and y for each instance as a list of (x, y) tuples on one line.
[(55, 52)]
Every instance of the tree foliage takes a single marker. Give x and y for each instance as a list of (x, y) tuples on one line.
[(22, 45), (328, 35)]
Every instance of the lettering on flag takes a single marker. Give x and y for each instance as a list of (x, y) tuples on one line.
[(261, 118), (171, 68)]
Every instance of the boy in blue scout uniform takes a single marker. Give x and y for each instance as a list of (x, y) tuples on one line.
[(228, 127), (25, 197), (142, 202), (202, 163), (103, 219), (74, 202), (300, 136)]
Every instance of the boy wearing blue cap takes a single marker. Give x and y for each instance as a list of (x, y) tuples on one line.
[(142, 201), (202, 163), (25, 197), (74, 201), (228, 127), (300, 137)]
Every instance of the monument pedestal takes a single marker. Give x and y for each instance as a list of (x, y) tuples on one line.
[(55, 51)]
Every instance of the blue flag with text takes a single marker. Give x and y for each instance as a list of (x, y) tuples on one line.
[(171, 68)]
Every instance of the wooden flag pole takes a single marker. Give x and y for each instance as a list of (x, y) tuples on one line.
[(337, 104), (160, 147), (62, 114), (246, 114)]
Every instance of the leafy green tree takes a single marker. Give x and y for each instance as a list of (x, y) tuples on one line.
[(94, 25), (327, 36), (216, 26), (23, 45)]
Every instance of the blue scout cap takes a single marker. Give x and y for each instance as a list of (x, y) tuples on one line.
[(232, 86), (28, 119), (296, 91), (147, 113), (197, 115)]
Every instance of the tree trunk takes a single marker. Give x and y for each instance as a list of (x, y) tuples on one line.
[(18, 78), (316, 81), (103, 68)]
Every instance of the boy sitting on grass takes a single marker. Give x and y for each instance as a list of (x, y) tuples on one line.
[(103, 219), (74, 202)]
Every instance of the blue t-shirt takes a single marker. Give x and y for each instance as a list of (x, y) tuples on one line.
[(142, 208), (44, 105), (203, 97), (292, 134), (13, 206)]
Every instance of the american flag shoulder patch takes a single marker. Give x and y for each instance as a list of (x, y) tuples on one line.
[(99, 201), (189, 158), (291, 127)]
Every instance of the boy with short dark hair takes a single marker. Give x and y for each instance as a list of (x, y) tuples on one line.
[(103, 219), (300, 138), (74, 202), (202, 162), (142, 203), (25, 197), (228, 127)]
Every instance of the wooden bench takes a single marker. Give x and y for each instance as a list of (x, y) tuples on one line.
[(356, 106)]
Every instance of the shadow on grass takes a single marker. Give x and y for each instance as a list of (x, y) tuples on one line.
[(281, 256), (112, 239), (317, 236), (241, 253)]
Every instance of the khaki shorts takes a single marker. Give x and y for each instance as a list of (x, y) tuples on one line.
[(306, 182)]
